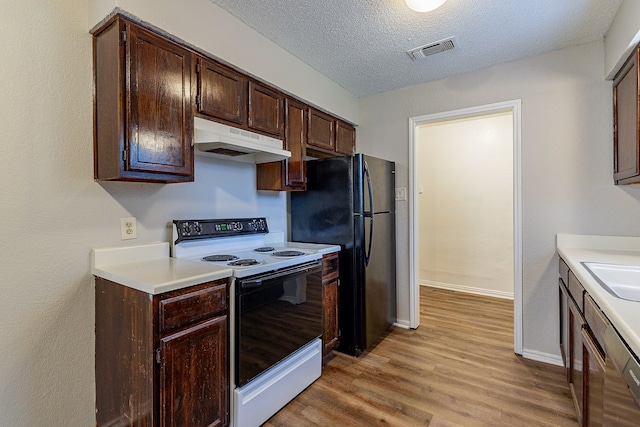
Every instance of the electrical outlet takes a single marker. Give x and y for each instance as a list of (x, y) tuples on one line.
[(401, 193), (128, 228)]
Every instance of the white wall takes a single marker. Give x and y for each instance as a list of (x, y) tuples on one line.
[(465, 204), (622, 36), (566, 162), (52, 212)]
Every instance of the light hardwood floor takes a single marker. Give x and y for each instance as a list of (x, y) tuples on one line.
[(457, 369)]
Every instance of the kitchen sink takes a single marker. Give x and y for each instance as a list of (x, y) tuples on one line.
[(622, 281)]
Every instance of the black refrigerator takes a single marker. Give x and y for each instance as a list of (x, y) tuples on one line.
[(350, 201)]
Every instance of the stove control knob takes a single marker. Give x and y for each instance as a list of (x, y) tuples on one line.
[(186, 228), (197, 228)]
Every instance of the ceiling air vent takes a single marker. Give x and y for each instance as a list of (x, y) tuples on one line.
[(432, 48)]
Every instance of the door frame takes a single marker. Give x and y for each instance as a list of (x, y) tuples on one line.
[(514, 107)]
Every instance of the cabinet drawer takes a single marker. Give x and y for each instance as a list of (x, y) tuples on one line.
[(188, 308), (330, 266), (596, 320), (577, 291), (564, 271)]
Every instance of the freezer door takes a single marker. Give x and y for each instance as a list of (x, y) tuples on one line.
[(380, 277), (324, 213)]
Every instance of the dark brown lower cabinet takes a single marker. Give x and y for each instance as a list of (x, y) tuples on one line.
[(162, 360), (582, 332), (331, 331)]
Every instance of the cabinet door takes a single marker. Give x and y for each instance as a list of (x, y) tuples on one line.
[(290, 174), (330, 314), (625, 122), (194, 386), (160, 116), (576, 323), (221, 92), (321, 130), (331, 330), (295, 141), (593, 362), (345, 138), (265, 109)]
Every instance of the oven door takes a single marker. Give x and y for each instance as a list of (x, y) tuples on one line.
[(277, 313)]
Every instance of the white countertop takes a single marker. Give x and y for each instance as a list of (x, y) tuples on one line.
[(623, 314), (319, 248), (148, 268)]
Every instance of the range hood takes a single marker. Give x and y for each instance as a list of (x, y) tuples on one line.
[(218, 140)]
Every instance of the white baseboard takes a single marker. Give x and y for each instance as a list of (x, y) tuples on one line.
[(551, 359), (468, 289), (402, 324)]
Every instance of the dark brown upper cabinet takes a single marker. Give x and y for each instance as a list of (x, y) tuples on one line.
[(329, 136), (626, 122), (321, 130), (265, 109), (143, 116), (345, 138), (290, 174), (222, 92)]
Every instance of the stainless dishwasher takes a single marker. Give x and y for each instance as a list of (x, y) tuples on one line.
[(621, 405)]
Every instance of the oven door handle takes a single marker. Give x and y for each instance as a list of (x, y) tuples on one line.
[(296, 271)]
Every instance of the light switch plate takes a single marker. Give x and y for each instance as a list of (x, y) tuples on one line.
[(401, 193)]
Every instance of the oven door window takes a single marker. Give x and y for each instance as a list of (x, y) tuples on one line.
[(276, 315)]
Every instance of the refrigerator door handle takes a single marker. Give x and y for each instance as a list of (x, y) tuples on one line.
[(369, 189), (367, 254)]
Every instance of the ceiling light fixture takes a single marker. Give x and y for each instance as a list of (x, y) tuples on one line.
[(424, 5)]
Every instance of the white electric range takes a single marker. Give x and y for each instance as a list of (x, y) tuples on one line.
[(275, 309)]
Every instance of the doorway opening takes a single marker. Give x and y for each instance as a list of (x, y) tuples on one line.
[(462, 121)]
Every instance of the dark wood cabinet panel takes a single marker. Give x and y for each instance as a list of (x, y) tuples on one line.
[(330, 302), (186, 308), (146, 376), (321, 130), (331, 330), (265, 109), (345, 138), (193, 375), (143, 117), (626, 122), (124, 362), (222, 92), (295, 141), (290, 174)]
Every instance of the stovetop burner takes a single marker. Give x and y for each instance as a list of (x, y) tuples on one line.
[(265, 249), (244, 262), (219, 258), (288, 253)]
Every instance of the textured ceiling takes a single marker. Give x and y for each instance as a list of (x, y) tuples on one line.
[(362, 44)]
